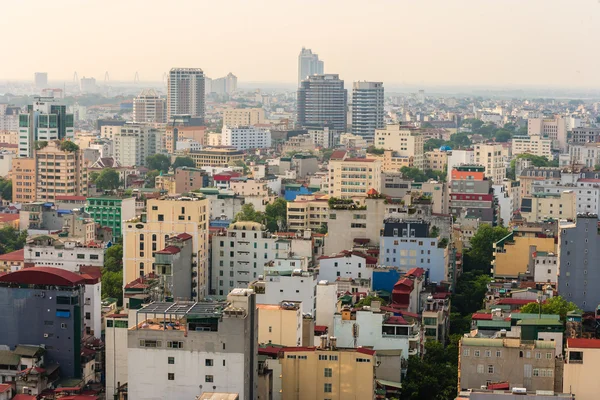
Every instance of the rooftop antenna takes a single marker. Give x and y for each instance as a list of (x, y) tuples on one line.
[(136, 78)]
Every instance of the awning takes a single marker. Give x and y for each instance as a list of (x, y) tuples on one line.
[(397, 385)]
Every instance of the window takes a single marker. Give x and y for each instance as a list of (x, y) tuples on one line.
[(466, 352), (81, 256), (575, 357), (171, 360), (327, 372), (548, 356), (93, 256), (161, 217), (333, 358), (327, 388), (476, 353), (322, 357), (174, 345), (538, 355), (490, 369), (488, 353), (150, 343), (208, 362), (171, 376), (498, 353), (363, 360), (209, 378), (480, 369)]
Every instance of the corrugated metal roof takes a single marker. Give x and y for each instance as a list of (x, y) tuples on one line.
[(7, 357), (520, 316), (543, 322), (493, 324)]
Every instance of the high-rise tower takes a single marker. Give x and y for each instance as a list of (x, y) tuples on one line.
[(148, 106), (186, 92), (367, 108), (308, 64), (322, 102)]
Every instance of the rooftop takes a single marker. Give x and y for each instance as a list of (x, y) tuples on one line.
[(43, 276), (583, 343)]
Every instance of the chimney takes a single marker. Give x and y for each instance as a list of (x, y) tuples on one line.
[(333, 342), (375, 305), (323, 342)]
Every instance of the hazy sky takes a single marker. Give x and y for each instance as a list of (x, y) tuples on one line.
[(478, 42)]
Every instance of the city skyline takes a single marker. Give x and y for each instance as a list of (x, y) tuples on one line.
[(487, 43)]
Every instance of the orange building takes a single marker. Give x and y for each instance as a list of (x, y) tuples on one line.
[(469, 172)]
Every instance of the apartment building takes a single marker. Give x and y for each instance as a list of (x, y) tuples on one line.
[(208, 346), (327, 372), (406, 244), (540, 206), (307, 212), (457, 158), (537, 145), (284, 280), (579, 376), (552, 128), (24, 180), (65, 253), (244, 137), (280, 323), (579, 252), (216, 157), (354, 177), (377, 329), (531, 176), (587, 154), (347, 264), (472, 192), (60, 172), (115, 342), (186, 93), (493, 157), (164, 218), (149, 107), (404, 141), (134, 142), (182, 180), (436, 318), (513, 254), (522, 364), (177, 133), (243, 116), (583, 135), (322, 101), (367, 108), (436, 160), (111, 211)]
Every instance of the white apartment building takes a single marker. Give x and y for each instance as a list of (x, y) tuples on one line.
[(115, 345), (354, 177), (243, 116), (587, 154), (134, 142), (406, 142), (64, 254), (537, 145), (148, 106), (493, 157), (492, 118), (456, 158), (505, 201), (295, 285), (346, 265), (208, 347), (244, 137), (553, 128), (587, 191), (323, 137), (327, 297)]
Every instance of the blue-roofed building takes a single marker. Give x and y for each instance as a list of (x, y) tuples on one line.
[(294, 189)]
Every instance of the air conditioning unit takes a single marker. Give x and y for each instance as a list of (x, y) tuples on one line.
[(46, 335)]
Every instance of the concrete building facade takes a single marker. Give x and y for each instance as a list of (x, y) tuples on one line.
[(186, 92), (367, 108), (322, 101)]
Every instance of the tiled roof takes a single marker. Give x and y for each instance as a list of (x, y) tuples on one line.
[(481, 316), (70, 198), (416, 272), (9, 217), (169, 250), (18, 255), (44, 276), (518, 302), (4, 387), (583, 343), (184, 236)]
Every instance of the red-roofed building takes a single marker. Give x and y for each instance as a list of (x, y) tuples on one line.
[(12, 261), (9, 220), (580, 370), (403, 293), (223, 180)]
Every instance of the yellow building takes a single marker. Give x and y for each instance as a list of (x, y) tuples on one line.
[(354, 177), (436, 160), (166, 183), (307, 212), (404, 141), (512, 255), (580, 375), (327, 373), (542, 206), (60, 172), (164, 218), (24, 180), (493, 158), (280, 323), (216, 156), (243, 116)]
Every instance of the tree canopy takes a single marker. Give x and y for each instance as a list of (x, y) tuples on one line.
[(151, 178), (108, 179), (433, 144), (183, 162), (6, 189), (160, 162), (67, 145), (502, 135), (11, 239), (113, 258), (375, 150), (481, 251), (554, 305), (417, 175), (112, 284), (275, 213)]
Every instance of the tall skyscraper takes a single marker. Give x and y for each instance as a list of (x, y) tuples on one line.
[(148, 106), (322, 102), (367, 108), (41, 80), (46, 120), (186, 92), (308, 64)]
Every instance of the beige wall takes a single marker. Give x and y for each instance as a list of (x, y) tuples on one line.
[(304, 379), (24, 180), (249, 188), (535, 145), (196, 133), (492, 157), (59, 173), (279, 326), (406, 142), (304, 214), (582, 378), (542, 208), (9, 137), (243, 116), (354, 177), (515, 259), (436, 160)]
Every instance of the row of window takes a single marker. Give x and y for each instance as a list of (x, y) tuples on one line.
[(488, 353)]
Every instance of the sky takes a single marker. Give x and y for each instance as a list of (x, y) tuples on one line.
[(496, 43)]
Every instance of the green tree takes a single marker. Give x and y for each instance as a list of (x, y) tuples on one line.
[(375, 150), (481, 251), (502, 135), (323, 229), (151, 178), (242, 164), (469, 292), (459, 140), (183, 162), (366, 301), (67, 145), (6, 189), (554, 305), (108, 179), (433, 144), (414, 174), (113, 258), (158, 161), (472, 123), (249, 213), (11, 239), (326, 154), (40, 144), (275, 214), (92, 176), (112, 284)]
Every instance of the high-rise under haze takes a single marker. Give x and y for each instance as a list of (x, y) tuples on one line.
[(186, 92), (322, 102), (148, 106), (41, 80), (367, 108), (308, 64)]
